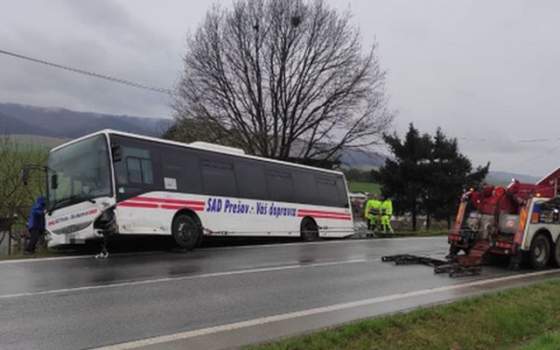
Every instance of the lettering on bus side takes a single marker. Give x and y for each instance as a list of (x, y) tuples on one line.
[(220, 205), (214, 205)]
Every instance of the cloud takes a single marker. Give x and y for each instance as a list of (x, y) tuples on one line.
[(486, 72)]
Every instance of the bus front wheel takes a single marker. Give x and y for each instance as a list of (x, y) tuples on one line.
[(309, 230), (186, 231)]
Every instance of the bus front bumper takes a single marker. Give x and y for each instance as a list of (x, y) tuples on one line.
[(72, 235)]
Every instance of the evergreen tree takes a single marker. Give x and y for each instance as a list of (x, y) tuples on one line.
[(426, 175), (404, 177), (451, 173)]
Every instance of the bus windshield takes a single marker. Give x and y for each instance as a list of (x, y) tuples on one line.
[(82, 171)]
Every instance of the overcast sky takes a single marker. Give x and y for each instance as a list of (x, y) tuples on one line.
[(487, 72)]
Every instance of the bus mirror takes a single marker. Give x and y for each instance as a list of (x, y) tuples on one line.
[(25, 176), (54, 181), (116, 151)]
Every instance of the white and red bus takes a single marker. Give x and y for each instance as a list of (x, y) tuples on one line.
[(120, 183)]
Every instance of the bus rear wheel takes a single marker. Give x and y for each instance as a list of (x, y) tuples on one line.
[(540, 252), (309, 230), (186, 231)]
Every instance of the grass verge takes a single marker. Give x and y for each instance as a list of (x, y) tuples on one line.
[(504, 320), (549, 341), (357, 186)]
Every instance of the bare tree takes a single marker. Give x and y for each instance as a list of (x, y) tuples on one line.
[(288, 78), (15, 198)]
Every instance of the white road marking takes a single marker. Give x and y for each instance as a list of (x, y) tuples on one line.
[(30, 260), (256, 246), (183, 278), (309, 312), (69, 257)]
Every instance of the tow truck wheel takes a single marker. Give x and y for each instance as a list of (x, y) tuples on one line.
[(557, 252), (309, 230), (540, 252), (186, 231)]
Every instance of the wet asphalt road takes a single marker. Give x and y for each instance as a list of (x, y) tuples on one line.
[(75, 303)]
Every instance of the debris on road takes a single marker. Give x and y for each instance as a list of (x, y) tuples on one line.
[(453, 268)]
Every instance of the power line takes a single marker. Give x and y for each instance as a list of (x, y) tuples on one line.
[(88, 73), (540, 140)]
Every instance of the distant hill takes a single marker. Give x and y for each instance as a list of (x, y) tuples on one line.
[(61, 124), (14, 125), (364, 160), (66, 124), (52, 126), (504, 178)]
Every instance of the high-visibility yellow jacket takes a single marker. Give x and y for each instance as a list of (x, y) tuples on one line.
[(387, 207), (373, 208)]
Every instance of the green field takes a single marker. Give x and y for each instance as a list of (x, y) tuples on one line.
[(356, 186), (524, 318)]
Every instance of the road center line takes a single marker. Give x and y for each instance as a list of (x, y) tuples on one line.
[(183, 278), (309, 312)]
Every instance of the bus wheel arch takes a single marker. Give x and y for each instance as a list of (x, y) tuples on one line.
[(309, 230), (541, 249), (186, 229)]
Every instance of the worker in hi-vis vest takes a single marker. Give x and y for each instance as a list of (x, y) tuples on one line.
[(372, 213), (386, 214)]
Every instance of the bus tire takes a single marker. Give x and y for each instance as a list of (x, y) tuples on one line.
[(186, 230), (309, 230), (540, 251)]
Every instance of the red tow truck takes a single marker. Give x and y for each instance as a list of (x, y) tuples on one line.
[(520, 221)]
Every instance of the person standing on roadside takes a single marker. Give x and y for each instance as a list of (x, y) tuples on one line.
[(35, 224), (386, 214), (372, 213)]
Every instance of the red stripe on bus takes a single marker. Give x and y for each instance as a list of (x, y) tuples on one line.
[(326, 216), (335, 217), (321, 212), (168, 200), (138, 205), (329, 218), (332, 217), (175, 207), (162, 206)]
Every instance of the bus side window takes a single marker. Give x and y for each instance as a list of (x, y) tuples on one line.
[(135, 172), (327, 191), (251, 180), (139, 170), (218, 177), (182, 166), (305, 187), (280, 185), (342, 193)]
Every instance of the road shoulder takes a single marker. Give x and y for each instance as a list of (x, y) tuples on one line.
[(279, 326)]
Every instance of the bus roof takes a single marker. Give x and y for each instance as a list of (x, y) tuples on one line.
[(196, 145)]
